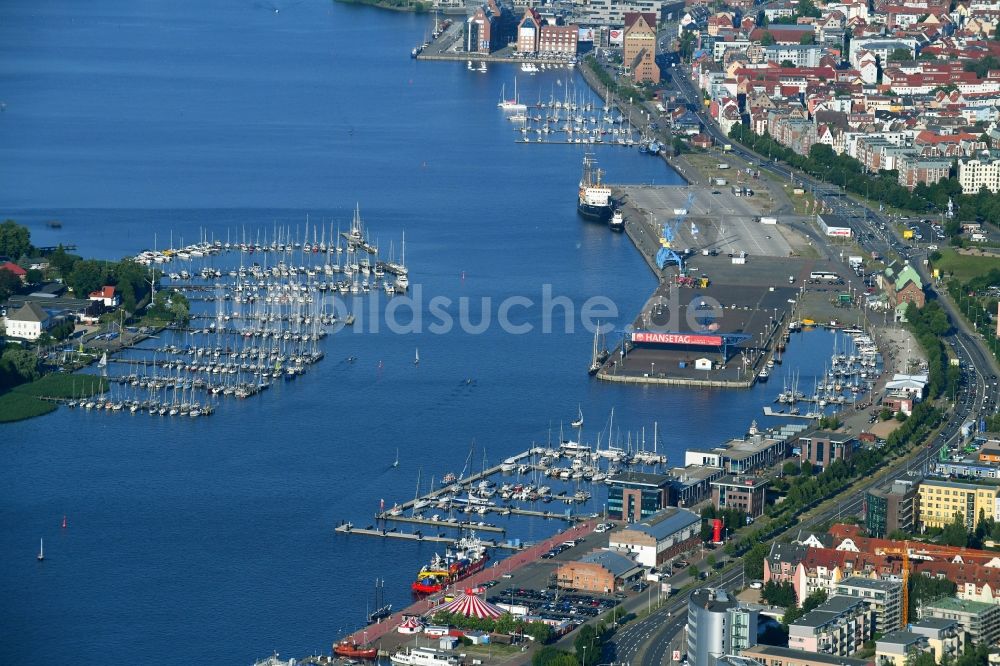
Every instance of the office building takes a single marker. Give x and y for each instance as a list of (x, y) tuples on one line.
[(840, 626), (636, 496), (883, 597), (666, 534), (891, 508), (717, 625), (940, 501)]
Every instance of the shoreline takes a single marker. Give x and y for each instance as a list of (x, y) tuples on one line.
[(419, 8)]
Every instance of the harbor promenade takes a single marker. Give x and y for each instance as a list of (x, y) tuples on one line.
[(373, 633)]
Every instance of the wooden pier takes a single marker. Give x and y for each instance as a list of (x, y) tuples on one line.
[(347, 528), (460, 525)]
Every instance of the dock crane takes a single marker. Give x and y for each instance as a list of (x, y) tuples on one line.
[(667, 254)]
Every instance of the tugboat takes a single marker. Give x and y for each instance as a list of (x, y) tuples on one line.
[(617, 222), (469, 557), (594, 201), (350, 649)]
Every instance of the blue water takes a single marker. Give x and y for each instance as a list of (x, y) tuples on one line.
[(212, 539)]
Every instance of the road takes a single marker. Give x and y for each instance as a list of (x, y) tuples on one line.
[(647, 641)]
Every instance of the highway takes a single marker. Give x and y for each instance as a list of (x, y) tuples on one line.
[(647, 642)]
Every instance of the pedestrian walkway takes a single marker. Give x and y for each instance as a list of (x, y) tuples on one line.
[(373, 632)]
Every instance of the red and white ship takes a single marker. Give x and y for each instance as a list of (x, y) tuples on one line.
[(469, 557)]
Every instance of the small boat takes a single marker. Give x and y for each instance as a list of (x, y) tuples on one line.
[(41, 549), (578, 423), (416, 357), (396, 462), (617, 221)]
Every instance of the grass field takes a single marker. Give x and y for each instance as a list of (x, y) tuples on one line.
[(15, 406), (965, 267), (22, 402)]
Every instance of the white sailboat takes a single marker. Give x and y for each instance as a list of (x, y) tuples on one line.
[(396, 463), (578, 423), (41, 549), (416, 357)]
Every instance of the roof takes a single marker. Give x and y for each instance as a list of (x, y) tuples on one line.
[(830, 435), (810, 657), (828, 611), (933, 623), (900, 637), (642, 479), (618, 565), (666, 523), (871, 583), (954, 604), (29, 312), (13, 268), (741, 481), (908, 274), (787, 552), (713, 600), (103, 292)]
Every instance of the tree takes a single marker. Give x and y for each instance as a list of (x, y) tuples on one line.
[(787, 64), (710, 561), (790, 468), (551, 656), (21, 362), (9, 284), (955, 533), (927, 588), (62, 261), (34, 276), (807, 38), (693, 571), (767, 39), (753, 561), (811, 603), (88, 275), (885, 414), (808, 8), (982, 65), (15, 240), (900, 55), (779, 594)]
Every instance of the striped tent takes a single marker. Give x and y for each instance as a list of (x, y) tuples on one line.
[(410, 625), (470, 605)]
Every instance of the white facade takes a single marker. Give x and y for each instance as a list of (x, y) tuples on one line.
[(610, 13), (27, 322), (976, 173)]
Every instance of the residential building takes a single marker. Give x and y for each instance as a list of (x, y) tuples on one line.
[(902, 286), (490, 27), (27, 322), (883, 597), (770, 655), (529, 31), (562, 39), (744, 493), (891, 508), (945, 637), (800, 55), (840, 625), (914, 170), (822, 447), (980, 621), (717, 625), (941, 500), (979, 172), (900, 648), (11, 267), (664, 535), (636, 496), (639, 47), (612, 12), (106, 296), (601, 571)]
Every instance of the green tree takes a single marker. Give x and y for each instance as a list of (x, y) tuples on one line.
[(982, 65), (21, 362), (927, 588), (955, 533), (767, 39), (588, 644), (753, 561), (885, 414), (62, 261), (790, 468), (900, 55), (787, 64), (808, 38), (88, 275), (779, 594), (710, 561), (10, 284), (34, 276), (808, 8), (693, 571), (15, 240), (551, 656)]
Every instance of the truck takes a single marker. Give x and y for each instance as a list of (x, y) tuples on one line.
[(769, 220), (855, 261), (720, 182), (722, 165), (727, 147), (680, 211)]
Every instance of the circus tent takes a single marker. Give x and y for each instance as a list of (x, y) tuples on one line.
[(470, 605), (410, 625)]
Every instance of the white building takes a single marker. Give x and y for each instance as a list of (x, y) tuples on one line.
[(612, 13), (27, 322), (800, 55), (979, 172)]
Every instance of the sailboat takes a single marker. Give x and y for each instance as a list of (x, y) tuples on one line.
[(384, 610), (396, 463), (416, 357), (578, 423), (597, 356), (41, 549)]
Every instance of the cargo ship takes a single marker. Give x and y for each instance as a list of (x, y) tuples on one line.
[(594, 197), (468, 558)]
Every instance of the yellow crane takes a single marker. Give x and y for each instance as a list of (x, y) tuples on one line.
[(904, 551)]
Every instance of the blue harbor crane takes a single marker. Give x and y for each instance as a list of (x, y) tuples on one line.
[(667, 253)]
